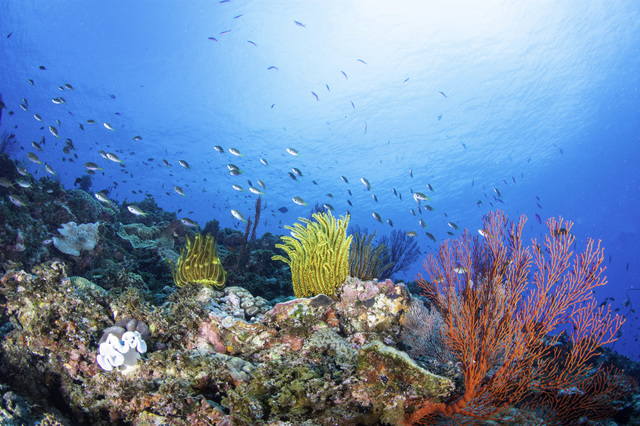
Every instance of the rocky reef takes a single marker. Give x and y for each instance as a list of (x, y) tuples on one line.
[(214, 357)]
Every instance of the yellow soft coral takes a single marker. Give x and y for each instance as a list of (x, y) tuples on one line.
[(318, 254), (200, 264)]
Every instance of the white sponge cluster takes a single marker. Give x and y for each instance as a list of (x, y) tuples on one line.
[(121, 353)]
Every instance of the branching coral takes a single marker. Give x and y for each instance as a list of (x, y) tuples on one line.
[(318, 254), (366, 262), (199, 264)]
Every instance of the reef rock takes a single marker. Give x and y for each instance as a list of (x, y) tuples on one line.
[(74, 238)]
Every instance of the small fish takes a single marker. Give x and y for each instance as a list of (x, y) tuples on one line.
[(68, 86), (431, 237), (102, 197), (136, 210), (453, 225), (237, 188), (261, 183), (349, 202), (315, 95), (412, 212), (376, 216), (300, 24), (235, 152), (92, 166), (442, 93), (344, 179), (137, 138), (108, 126), (36, 146), (255, 190), (34, 158), (54, 131), (346, 78), (113, 157), (430, 187), (37, 117), (406, 79), (411, 173), (390, 222), (366, 183), (299, 201), (31, 82), (237, 215), (483, 233), (419, 196), (293, 151), (412, 234), (17, 201), (24, 107), (497, 192), (538, 218), (297, 171), (5, 182), (252, 43), (184, 164), (292, 176), (21, 170), (360, 60), (231, 166), (283, 209), (212, 38), (428, 207), (23, 183), (166, 163), (219, 149), (48, 169), (179, 190), (422, 224), (235, 172), (328, 206), (263, 161), (374, 197), (188, 222), (328, 90)]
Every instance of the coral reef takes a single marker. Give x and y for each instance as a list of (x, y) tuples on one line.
[(322, 359), (199, 264), (74, 238), (318, 254)]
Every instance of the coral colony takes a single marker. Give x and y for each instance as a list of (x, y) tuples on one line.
[(259, 330)]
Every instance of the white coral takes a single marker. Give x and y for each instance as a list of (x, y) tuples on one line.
[(74, 238), (114, 352)]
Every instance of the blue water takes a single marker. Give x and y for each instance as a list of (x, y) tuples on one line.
[(537, 99)]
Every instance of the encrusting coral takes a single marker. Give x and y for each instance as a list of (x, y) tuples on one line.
[(199, 264), (318, 254)]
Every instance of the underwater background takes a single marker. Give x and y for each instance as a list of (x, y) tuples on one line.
[(528, 107)]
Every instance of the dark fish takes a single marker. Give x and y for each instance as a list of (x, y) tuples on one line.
[(112, 96), (212, 38), (328, 90), (360, 60), (354, 107), (406, 79), (410, 172), (344, 179), (442, 93), (314, 182), (349, 202), (300, 24), (345, 76), (292, 176), (464, 145), (390, 222), (250, 42), (431, 237), (42, 67), (315, 95), (225, 32), (538, 218), (272, 68), (497, 192), (349, 191), (283, 209), (9, 35), (237, 16), (430, 187)]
